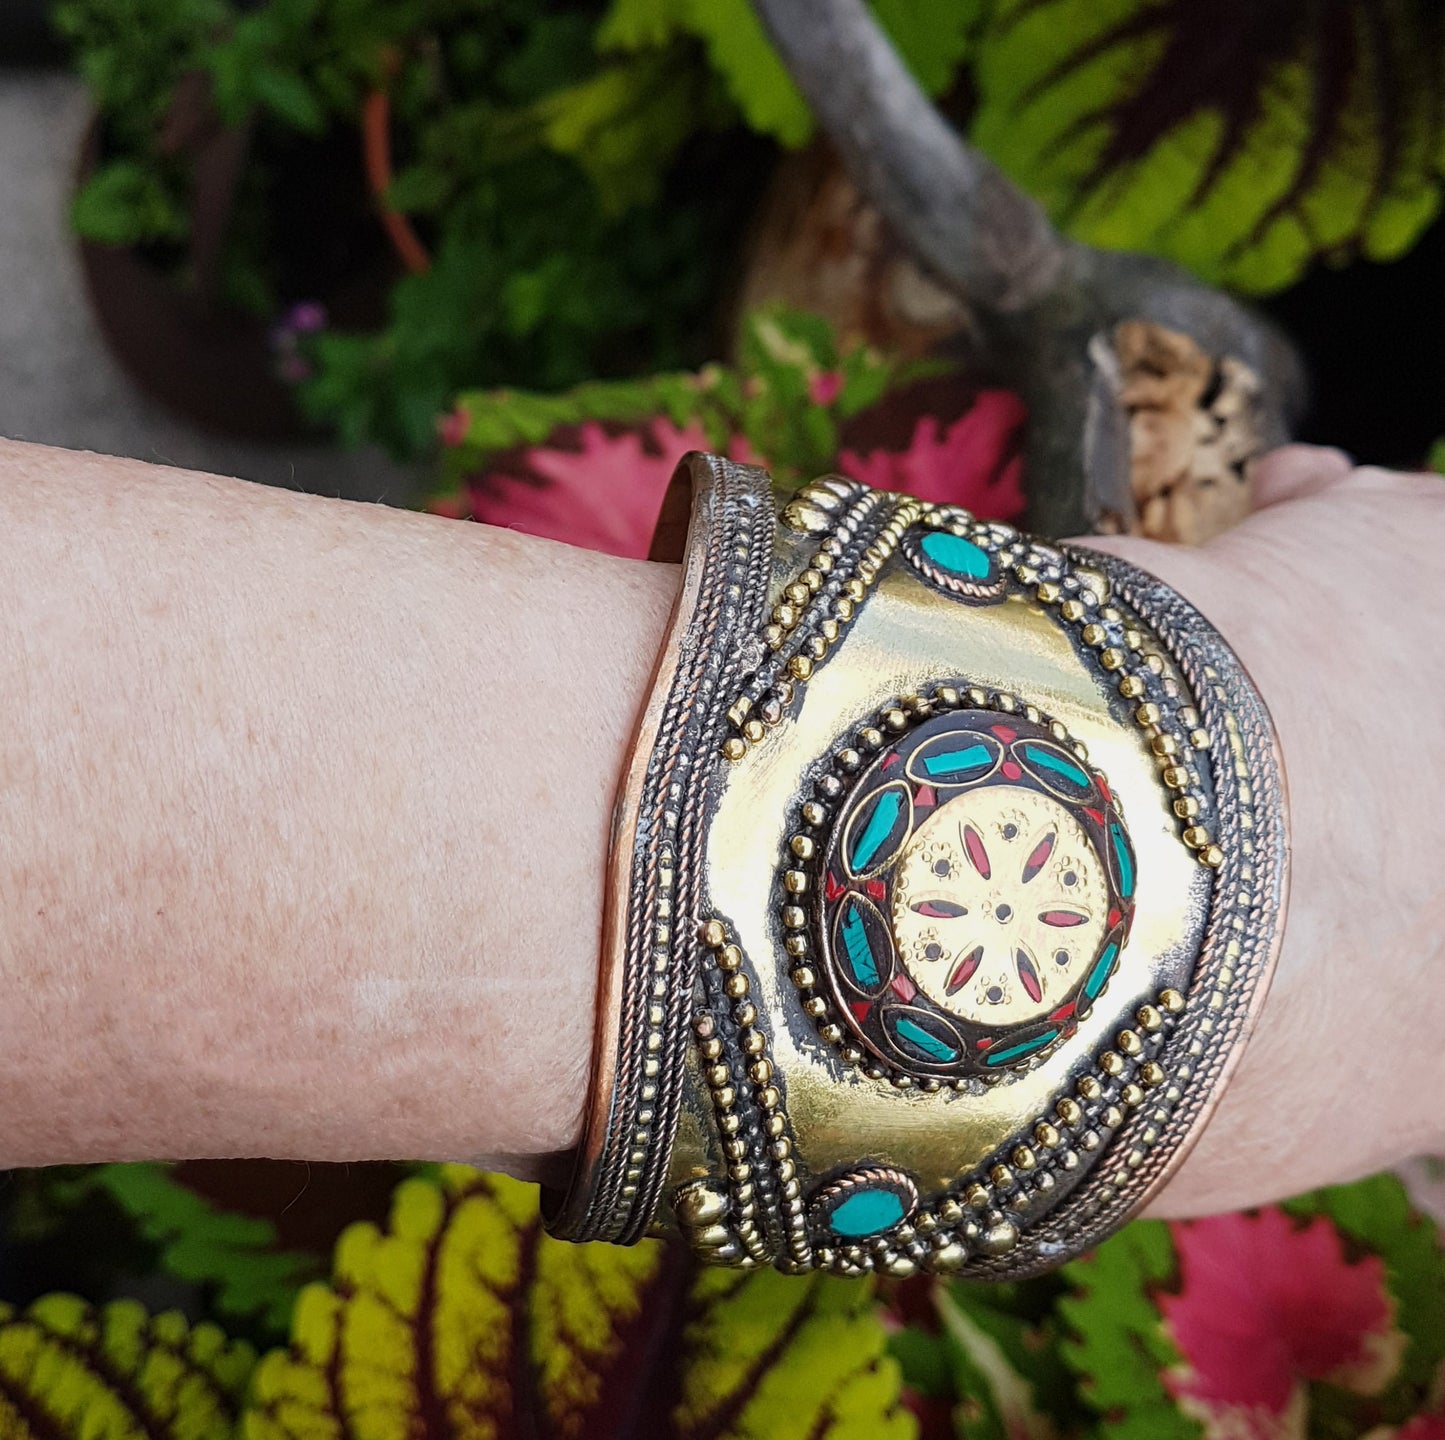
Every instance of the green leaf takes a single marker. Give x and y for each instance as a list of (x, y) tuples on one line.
[(932, 36), (624, 125), (464, 1319), (234, 1254), (289, 98), (923, 1361), (996, 1399), (767, 399), (126, 203), (640, 24), (1243, 142), (69, 1369), (1437, 456), (1119, 1347), (743, 55)]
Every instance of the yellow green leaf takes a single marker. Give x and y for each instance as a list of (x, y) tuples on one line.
[(462, 1319), (932, 36), (1244, 142), (115, 1373)]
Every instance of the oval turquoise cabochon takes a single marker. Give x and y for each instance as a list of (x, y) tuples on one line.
[(954, 553), (865, 1202), (867, 1212)]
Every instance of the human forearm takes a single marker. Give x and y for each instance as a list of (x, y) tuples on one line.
[(305, 810)]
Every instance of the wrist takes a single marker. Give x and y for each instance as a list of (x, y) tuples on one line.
[(1337, 1078)]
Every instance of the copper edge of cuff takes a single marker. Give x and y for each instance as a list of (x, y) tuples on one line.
[(566, 1212)]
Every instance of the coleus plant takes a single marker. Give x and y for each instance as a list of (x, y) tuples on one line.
[(590, 465), (1243, 141), (458, 1317)]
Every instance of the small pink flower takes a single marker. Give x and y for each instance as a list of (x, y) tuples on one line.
[(293, 368), (974, 462), (305, 317), (1267, 1304), (452, 427), (825, 387)]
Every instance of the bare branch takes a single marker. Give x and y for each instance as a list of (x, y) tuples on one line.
[(906, 158), (1040, 298)]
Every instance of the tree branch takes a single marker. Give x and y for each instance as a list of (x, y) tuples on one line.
[(1040, 298)]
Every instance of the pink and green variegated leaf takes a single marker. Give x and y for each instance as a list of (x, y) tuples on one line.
[(997, 1396), (1325, 1316), (1242, 140), (1269, 1311), (464, 1320), (116, 1373), (1376, 1216)]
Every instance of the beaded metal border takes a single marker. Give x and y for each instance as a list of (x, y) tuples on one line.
[(1240, 939), (865, 527), (1072, 587), (761, 1218), (730, 550)]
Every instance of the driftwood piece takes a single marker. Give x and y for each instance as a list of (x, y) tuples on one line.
[(819, 245), (1039, 298), (1189, 425)]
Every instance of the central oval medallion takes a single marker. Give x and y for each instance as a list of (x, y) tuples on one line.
[(976, 891)]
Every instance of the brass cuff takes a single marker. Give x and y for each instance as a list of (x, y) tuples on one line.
[(946, 881)]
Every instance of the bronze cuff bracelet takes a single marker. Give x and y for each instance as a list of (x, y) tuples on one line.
[(946, 882)]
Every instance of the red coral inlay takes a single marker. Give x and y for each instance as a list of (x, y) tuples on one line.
[(963, 971), (973, 843), (1040, 857)]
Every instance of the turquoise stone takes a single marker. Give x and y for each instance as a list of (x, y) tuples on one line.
[(859, 951), (958, 762), (867, 1212), (1125, 859), (1024, 1047), (954, 553), (1103, 968), (877, 830), (1049, 760), (920, 1039)]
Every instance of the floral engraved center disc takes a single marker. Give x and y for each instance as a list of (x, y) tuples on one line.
[(999, 902)]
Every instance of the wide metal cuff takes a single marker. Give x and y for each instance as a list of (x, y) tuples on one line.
[(945, 885)]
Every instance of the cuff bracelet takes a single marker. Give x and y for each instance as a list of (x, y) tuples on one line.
[(946, 881)]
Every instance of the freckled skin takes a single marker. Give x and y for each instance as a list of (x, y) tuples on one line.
[(1015, 913)]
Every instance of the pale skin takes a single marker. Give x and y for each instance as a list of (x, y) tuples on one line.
[(305, 805)]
